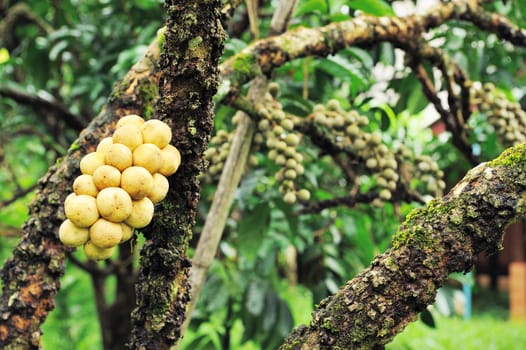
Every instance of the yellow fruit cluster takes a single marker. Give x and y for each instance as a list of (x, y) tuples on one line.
[(119, 185)]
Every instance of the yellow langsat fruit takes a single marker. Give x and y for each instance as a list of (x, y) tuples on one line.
[(156, 132), (148, 156), (72, 235), (119, 156), (137, 181), (128, 135), (104, 145), (127, 232), (95, 253), (142, 213), (131, 119), (160, 188), (90, 162), (171, 160), (107, 176), (81, 210), (105, 234), (84, 184), (114, 204)]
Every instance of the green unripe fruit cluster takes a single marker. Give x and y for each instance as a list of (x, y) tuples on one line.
[(507, 117), (347, 127), (119, 185)]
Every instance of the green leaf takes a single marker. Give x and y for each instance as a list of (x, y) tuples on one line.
[(373, 7), (312, 6), (255, 297), (427, 318), (270, 314), (252, 230), (4, 55)]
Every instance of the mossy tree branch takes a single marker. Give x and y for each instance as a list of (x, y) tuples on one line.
[(31, 276), (433, 242), (193, 44)]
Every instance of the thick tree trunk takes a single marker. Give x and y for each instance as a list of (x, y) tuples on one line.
[(31, 276), (433, 242), (193, 45)]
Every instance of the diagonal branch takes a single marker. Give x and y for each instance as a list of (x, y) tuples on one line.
[(433, 242), (38, 104)]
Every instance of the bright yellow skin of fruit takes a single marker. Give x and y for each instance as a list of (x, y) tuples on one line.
[(127, 232), (107, 176), (156, 132), (104, 145), (131, 119), (128, 135), (171, 160), (119, 156), (114, 204), (90, 162), (142, 213), (137, 181), (82, 210), (95, 253), (148, 156), (84, 184), (70, 196), (160, 188), (105, 234), (72, 235)]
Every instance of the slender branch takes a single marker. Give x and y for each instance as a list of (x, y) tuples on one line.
[(20, 193), (495, 23), (230, 178), (38, 104)]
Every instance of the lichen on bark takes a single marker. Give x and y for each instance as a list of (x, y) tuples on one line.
[(433, 242), (192, 46)]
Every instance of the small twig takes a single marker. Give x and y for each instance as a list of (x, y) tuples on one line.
[(90, 266), (19, 193), (38, 104)]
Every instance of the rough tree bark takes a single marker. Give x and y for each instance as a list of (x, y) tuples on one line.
[(433, 242), (193, 44), (31, 276)]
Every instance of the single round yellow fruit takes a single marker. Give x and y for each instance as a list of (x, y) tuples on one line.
[(160, 188), (137, 181), (142, 213), (171, 160), (114, 204), (82, 210), (119, 156), (131, 119), (95, 253), (127, 232), (69, 196), (128, 135), (107, 176), (90, 162), (72, 235), (104, 145), (148, 156), (156, 132), (105, 234), (84, 184)]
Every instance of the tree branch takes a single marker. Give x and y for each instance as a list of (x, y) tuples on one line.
[(193, 44), (31, 276), (433, 242), (38, 104)]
